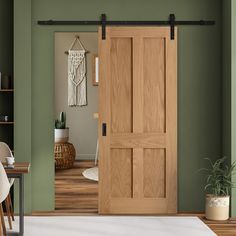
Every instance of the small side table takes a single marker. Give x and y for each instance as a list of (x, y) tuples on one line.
[(18, 172), (64, 154)]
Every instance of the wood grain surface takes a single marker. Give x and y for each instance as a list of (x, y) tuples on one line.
[(73, 192), (19, 168), (138, 104)]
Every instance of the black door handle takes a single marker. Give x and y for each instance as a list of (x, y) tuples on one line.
[(104, 129)]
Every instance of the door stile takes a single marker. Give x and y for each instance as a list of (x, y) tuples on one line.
[(171, 124), (104, 117), (137, 115)]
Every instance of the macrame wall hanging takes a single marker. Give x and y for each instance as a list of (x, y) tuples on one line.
[(77, 92)]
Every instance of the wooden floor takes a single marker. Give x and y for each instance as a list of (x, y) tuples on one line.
[(73, 192), (76, 195), (227, 228)]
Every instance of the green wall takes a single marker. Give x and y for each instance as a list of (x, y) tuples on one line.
[(199, 86), (229, 87), (22, 98), (226, 77), (233, 97)]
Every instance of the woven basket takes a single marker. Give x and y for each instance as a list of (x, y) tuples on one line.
[(64, 154)]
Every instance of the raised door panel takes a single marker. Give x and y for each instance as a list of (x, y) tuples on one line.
[(154, 168), (121, 173), (154, 84), (121, 85)]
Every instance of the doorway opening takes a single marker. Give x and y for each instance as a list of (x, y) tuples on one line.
[(137, 121), (76, 185)]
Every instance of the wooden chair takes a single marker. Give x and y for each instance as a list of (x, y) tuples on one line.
[(4, 192), (5, 151), (0, 229)]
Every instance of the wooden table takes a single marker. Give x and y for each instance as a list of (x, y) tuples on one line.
[(20, 168)]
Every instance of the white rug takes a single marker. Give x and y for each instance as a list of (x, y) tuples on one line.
[(115, 226), (91, 173)]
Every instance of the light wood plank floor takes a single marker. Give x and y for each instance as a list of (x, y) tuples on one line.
[(73, 192), (76, 195), (227, 228)]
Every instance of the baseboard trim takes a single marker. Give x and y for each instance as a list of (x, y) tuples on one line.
[(85, 157)]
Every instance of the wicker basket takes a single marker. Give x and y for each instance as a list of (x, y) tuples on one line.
[(64, 154)]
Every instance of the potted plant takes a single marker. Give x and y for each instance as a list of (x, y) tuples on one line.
[(218, 185), (61, 132)]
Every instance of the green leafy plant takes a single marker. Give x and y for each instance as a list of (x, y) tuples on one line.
[(218, 179), (61, 122)]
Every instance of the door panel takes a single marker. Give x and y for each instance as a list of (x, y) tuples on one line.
[(138, 103), (154, 181), (121, 85), (154, 85), (121, 173)]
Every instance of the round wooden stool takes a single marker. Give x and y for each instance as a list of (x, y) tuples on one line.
[(64, 154)]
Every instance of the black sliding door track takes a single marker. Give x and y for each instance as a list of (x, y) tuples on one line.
[(103, 22)]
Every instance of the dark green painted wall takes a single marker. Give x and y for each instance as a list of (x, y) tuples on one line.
[(233, 97), (226, 79), (199, 86), (229, 87), (22, 99)]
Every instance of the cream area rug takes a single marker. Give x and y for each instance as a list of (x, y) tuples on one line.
[(91, 173), (114, 226)]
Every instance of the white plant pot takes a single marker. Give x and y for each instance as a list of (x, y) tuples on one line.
[(61, 135), (217, 207)]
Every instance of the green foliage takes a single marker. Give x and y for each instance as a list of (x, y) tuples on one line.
[(61, 122), (63, 117), (218, 179)]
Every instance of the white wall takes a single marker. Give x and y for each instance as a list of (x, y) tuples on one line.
[(83, 127)]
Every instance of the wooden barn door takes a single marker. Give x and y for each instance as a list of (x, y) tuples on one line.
[(137, 121)]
